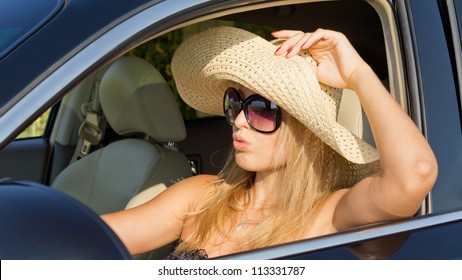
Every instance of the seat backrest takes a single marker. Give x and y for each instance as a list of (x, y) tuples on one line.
[(136, 100)]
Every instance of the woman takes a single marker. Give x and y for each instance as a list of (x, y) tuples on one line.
[(294, 172)]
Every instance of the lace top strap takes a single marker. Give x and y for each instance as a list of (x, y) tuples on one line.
[(198, 254)]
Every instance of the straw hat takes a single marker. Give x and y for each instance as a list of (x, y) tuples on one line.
[(206, 64)]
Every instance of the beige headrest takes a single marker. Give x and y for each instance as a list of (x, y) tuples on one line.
[(136, 99)]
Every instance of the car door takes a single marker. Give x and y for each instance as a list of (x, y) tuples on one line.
[(418, 63), (434, 91)]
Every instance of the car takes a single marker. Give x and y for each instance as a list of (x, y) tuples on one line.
[(60, 57)]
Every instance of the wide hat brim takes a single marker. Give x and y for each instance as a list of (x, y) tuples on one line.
[(206, 64)]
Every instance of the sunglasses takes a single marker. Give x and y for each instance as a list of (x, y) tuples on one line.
[(261, 114)]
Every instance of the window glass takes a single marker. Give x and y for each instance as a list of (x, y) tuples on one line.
[(20, 18), (37, 128)]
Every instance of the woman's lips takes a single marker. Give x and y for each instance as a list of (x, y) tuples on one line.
[(240, 144)]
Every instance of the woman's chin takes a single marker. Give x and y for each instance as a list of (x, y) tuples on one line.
[(251, 164), (246, 162)]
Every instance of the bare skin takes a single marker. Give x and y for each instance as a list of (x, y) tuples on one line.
[(409, 168)]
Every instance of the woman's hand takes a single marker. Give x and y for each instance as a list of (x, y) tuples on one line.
[(337, 60)]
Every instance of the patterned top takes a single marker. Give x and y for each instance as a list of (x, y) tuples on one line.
[(198, 254)]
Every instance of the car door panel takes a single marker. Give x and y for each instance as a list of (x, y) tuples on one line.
[(439, 98), (24, 159), (445, 244)]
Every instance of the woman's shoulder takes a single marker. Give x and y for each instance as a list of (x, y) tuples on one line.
[(198, 182), (195, 188)]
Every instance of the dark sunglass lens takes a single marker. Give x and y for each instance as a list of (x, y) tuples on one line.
[(262, 114)]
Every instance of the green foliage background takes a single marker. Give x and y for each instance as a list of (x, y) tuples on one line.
[(36, 128)]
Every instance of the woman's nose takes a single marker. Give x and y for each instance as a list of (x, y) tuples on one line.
[(240, 120)]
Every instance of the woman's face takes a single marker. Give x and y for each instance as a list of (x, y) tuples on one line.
[(254, 150)]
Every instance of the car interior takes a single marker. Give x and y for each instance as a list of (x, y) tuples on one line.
[(121, 136), (135, 100)]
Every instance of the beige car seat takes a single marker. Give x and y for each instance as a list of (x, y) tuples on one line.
[(136, 100)]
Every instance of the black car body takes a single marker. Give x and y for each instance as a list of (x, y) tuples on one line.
[(414, 46)]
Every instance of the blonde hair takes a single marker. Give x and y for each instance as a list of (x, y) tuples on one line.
[(315, 171)]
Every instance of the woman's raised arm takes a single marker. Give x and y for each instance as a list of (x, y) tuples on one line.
[(409, 167)]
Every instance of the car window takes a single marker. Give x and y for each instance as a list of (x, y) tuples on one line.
[(37, 128), (18, 20)]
